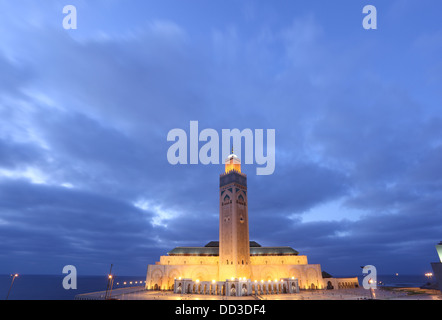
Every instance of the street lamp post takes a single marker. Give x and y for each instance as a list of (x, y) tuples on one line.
[(111, 284), (12, 282), (109, 280)]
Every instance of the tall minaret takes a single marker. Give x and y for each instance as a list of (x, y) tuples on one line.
[(234, 246)]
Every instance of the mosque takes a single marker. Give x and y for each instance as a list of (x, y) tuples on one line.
[(234, 265)]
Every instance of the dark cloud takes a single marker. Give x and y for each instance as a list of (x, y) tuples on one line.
[(13, 154), (55, 223), (301, 186)]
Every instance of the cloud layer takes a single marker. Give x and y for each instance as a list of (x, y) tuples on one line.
[(84, 117)]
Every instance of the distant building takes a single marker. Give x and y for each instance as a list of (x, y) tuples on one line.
[(234, 265), (437, 266)]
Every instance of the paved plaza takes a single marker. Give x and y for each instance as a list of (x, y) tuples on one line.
[(138, 293)]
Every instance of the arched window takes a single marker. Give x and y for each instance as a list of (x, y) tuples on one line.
[(233, 290), (244, 290)]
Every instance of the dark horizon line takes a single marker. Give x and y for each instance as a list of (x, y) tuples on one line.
[(116, 276)]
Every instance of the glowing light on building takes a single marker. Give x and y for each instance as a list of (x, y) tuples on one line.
[(232, 163)]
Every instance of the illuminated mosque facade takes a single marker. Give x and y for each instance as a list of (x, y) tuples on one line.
[(234, 265)]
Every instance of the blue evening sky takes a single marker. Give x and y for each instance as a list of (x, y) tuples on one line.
[(84, 116)]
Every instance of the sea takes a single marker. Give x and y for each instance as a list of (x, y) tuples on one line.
[(399, 280), (50, 287)]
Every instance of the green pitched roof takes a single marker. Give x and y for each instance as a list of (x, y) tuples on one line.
[(194, 251), (276, 251), (216, 244)]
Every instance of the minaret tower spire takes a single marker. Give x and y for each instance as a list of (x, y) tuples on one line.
[(232, 163), (234, 245)]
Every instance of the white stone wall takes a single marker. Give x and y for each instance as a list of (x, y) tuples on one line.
[(235, 287), (162, 275), (341, 283), (309, 275), (276, 260), (189, 260)]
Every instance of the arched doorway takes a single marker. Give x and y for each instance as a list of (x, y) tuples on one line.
[(232, 290), (244, 290)]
